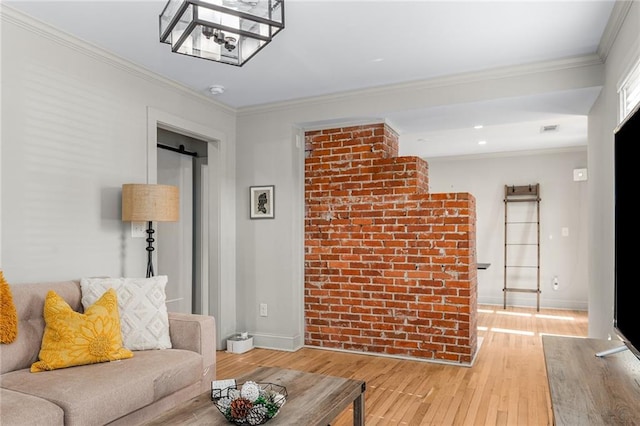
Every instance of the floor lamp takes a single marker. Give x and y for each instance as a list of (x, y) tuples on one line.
[(150, 203)]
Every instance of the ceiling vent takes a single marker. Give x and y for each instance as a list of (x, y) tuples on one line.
[(549, 128)]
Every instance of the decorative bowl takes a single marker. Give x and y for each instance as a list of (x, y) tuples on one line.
[(250, 403)]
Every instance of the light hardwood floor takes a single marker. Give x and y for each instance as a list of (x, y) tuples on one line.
[(507, 384)]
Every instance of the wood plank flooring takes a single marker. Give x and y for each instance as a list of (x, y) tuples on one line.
[(507, 385)]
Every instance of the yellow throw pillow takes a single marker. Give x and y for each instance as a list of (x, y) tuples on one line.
[(8, 314), (71, 338)]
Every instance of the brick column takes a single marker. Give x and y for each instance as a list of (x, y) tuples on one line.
[(389, 267)]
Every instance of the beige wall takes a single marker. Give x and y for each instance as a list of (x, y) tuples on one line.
[(271, 149), (563, 205), (603, 120), (75, 127)]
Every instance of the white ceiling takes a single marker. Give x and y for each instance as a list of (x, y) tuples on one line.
[(331, 46)]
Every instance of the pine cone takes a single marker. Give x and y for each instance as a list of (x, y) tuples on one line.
[(223, 403), (240, 408), (251, 391), (257, 415)]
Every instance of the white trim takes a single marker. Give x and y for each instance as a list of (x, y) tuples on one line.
[(204, 248), (618, 15), (340, 122), (631, 77), (281, 343), (502, 154), (576, 305), (298, 140)]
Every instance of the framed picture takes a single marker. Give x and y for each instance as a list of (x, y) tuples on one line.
[(262, 202)]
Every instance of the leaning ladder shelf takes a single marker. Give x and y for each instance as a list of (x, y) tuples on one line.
[(521, 238)]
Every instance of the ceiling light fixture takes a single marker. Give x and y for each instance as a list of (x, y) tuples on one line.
[(227, 31)]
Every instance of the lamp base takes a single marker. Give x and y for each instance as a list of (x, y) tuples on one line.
[(150, 249)]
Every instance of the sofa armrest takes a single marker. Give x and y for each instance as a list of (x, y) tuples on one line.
[(196, 333)]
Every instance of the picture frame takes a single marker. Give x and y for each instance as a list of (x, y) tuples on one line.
[(262, 202)]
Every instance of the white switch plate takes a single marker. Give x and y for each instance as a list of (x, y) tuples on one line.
[(565, 231), (263, 309), (138, 229)]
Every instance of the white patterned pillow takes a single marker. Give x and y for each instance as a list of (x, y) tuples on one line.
[(144, 320)]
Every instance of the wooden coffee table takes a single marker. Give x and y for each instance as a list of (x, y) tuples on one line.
[(313, 399)]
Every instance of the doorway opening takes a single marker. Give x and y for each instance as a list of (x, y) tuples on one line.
[(183, 253)]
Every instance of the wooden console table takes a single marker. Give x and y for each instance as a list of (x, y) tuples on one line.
[(589, 390)]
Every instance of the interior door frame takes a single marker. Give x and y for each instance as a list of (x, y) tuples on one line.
[(221, 210)]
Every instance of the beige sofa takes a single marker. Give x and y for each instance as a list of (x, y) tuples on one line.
[(125, 392)]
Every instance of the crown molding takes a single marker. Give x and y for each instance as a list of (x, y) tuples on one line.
[(42, 29), (618, 15), (507, 154), (11, 15), (452, 80), (341, 123)]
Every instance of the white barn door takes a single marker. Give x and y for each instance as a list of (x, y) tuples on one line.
[(175, 240)]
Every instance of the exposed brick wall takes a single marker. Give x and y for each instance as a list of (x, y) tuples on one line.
[(389, 268)]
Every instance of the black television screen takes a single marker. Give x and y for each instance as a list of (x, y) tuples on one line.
[(627, 192)]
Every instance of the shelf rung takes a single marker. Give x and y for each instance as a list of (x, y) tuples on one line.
[(522, 266), (521, 200), (522, 222), (522, 290)]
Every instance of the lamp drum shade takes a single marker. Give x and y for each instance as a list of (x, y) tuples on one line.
[(150, 203)]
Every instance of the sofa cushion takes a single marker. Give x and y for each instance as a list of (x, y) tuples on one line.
[(29, 302), (72, 338), (107, 391), (22, 409), (143, 311)]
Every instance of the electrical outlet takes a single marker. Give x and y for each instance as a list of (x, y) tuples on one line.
[(555, 283), (138, 229), (263, 309)]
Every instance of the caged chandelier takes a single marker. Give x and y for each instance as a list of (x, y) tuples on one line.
[(227, 31)]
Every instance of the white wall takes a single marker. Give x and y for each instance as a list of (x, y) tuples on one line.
[(603, 120), (270, 252), (563, 205), (74, 129)]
